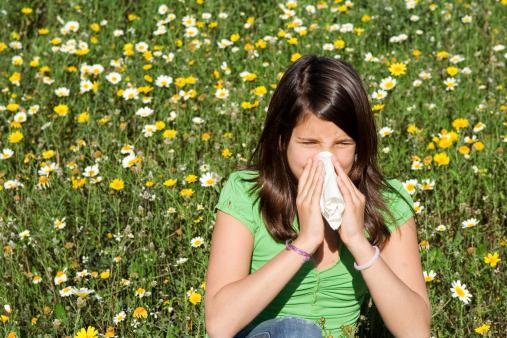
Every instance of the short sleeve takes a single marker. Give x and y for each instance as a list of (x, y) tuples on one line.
[(397, 205), (235, 200)]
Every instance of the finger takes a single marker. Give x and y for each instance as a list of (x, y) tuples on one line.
[(308, 183), (304, 175), (319, 186), (315, 180), (315, 173), (347, 194), (346, 179)]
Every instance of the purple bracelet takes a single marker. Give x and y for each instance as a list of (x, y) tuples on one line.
[(289, 246)]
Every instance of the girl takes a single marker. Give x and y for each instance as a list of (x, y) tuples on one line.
[(276, 267)]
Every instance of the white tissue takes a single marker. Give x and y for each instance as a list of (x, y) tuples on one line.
[(332, 203)]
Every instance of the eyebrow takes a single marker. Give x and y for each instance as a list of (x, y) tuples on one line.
[(338, 139)]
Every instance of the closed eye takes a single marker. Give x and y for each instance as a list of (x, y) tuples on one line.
[(346, 143)]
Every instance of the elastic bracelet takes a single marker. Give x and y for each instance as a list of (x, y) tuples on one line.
[(289, 246), (370, 263)]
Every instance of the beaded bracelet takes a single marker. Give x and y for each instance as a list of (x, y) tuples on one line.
[(289, 246), (370, 263)]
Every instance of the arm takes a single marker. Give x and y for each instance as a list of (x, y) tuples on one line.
[(234, 297), (396, 282)]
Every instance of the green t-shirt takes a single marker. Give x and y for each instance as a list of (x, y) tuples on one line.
[(335, 293)]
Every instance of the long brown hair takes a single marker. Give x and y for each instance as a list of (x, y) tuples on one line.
[(333, 91)]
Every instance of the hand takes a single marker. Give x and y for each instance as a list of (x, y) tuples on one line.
[(352, 227), (311, 224)]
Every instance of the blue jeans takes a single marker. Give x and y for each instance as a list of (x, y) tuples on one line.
[(286, 327)]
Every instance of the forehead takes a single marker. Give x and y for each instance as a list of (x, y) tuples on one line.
[(315, 127)]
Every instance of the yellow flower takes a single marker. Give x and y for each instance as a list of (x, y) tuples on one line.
[(91, 332), (397, 69), (12, 334), (226, 152), (105, 274), (464, 150), (445, 142), (294, 57), (61, 109), (195, 298), (205, 136), (83, 117), (117, 184), (260, 91), (170, 133), (412, 129), (235, 37), (170, 182), (484, 328), (460, 123), (48, 154), (492, 259), (441, 159), (339, 43), (15, 137), (186, 192), (478, 146), (12, 107), (191, 178), (140, 312), (26, 10), (452, 71)]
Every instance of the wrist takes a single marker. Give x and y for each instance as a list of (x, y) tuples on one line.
[(306, 244), (361, 250)]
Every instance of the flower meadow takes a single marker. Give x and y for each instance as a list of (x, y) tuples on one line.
[(120, 121)]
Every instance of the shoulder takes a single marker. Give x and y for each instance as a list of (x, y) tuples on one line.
[(399, 202), (241, 180)]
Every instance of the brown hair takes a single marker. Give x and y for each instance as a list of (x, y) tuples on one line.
[(333, 91)]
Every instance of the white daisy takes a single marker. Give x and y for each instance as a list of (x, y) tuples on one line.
[(429, 276), (129, 160), (67, 291), (209, 179), (379, 94), (191, 32), (385, 131), (6, 153), (62, 91), (85, 86), (427, 184), (59, 223), (188, 21), (417, 165), (141, 47), (478, 127), (91, 171), (197, 242), (149, 129), (388, 83), (441, 227), (83, 292), (130, 93), (222, 93), (450, 83), (60, 277), (120, 317), (113, 77), (144, 111), (163, 81), (469, 223), (24, 234), (410, 186), (12, 184), (459, 290)]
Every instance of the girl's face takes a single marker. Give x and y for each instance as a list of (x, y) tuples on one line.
[(313, 136)]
